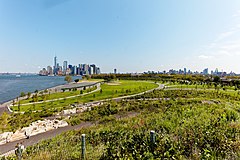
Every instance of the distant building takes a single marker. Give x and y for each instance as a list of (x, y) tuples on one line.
[(60, 68), (115, 71), (205, 71), (49, 70), (55, 65), (65, 66), (43, 72), (98, 70), (91, 70), (216, 71), (68, 71), (74, 70), (94, 68)]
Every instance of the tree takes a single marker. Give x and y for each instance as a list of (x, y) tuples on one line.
[(22, 94), (76, 80), (28, 94), (216, 79), (68, 78), (88, 77), (19, 106), (81, 91), (45, 91)]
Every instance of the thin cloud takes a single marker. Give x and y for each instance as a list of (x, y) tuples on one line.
[(225, 35), (234, 29), (204, 57), (226, 43)]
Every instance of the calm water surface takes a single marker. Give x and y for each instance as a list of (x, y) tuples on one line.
[(11, 86)]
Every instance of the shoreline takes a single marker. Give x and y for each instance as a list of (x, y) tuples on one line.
[(51, 82), (10, 100)]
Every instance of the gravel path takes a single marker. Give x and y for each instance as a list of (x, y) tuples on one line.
[(37, 138)]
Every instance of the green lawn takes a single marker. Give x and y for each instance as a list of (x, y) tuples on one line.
[(47, 96), (56, 95), (109, 90)]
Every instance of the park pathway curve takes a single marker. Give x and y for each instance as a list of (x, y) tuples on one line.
[(8, 148)]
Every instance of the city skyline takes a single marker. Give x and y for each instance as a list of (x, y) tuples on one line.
[(69, 69), (132, 36)]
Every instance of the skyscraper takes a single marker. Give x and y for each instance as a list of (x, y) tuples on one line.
[(55, 65), (65, 66), (94, 68), (205, 71)]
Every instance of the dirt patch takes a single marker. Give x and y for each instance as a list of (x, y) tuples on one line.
[(210, 102), (113, 83)]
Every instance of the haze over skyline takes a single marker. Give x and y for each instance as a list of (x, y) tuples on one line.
[(132, 36)]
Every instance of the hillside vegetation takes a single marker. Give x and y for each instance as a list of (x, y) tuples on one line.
[(189, 124)]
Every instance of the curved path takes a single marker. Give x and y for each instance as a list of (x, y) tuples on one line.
[(58, 99), (8, 148)]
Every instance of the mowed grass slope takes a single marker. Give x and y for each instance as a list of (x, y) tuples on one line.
[(108, 90), (45, 95), (57, 95)]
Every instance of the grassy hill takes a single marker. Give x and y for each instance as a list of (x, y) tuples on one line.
[(189, 124)]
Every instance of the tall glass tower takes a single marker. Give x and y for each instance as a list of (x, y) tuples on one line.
[(55, 65)]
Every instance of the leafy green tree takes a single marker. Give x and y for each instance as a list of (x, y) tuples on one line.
[(81, 91), (88, 77), (45, 91), (76, 80), (28, 95), (216, 79), (68, 78), (22, 94)]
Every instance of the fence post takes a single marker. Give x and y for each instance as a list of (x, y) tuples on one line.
[(152, 136), (18, 151), (83, 146), (152, 139)]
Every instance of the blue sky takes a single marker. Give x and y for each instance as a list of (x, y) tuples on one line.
[(130, 35)]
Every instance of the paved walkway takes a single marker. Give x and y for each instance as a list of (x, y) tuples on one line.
[(5, 148)]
